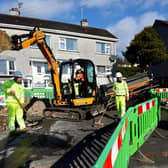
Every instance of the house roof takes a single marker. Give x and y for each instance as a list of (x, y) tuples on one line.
[(26, 21), (160, 22)]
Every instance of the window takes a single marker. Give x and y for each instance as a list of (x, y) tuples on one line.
[(38, 68), (100, 69), (66, 73), (104, 70), (90, 73), (11, 67), (46, 68), (65, 69), (7, 67), (3, 67), (62, 44), (103, 48), (68, 44)]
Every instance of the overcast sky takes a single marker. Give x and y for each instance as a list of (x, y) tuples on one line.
[(123, 18)]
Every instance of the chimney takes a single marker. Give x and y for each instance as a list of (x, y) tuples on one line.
[(84, 23), (14, 11)]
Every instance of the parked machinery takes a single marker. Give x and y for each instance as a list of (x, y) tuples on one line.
[(73, 98)]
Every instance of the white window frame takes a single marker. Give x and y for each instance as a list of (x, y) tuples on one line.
[(107, 70), (5, 67), (100, 66), (107, 48), (8, 70), (11, 71), (63, 41)]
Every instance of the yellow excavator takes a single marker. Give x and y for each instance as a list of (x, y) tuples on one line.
[(72, 97)]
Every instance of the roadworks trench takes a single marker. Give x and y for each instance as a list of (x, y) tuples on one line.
[(57, 143)]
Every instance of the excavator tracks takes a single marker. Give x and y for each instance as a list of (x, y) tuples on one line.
[(64, 113)]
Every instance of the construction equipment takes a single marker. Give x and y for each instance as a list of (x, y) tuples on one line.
[(73, 99), (64, 84)]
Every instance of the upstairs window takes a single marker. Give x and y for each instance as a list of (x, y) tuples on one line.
[(68, 44), (103, 48)]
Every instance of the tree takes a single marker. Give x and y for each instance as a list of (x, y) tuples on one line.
[(146, 49)]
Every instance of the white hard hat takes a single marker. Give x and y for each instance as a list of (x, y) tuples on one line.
[(118, 75), (78, 67)]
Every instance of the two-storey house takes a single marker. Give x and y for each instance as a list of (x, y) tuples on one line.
[(67, 41)]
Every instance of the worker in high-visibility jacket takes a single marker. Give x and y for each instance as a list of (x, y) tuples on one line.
[(79, 76), (12, 89), (79, 81), (121, 92)]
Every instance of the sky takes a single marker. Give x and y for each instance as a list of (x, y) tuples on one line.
[(123, 18)]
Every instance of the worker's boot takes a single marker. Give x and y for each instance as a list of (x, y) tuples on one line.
[(25, 129)]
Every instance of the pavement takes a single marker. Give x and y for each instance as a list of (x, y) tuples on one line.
[(154, 152)]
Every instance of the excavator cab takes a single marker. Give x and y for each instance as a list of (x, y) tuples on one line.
[(78, 81)]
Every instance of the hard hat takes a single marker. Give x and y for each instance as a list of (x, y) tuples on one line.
[(17, 74), (118, 75), (78, 67)]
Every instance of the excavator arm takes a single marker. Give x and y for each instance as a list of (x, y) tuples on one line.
[(38, 37)]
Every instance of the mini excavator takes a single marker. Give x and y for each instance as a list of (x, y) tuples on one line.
[(73, 99)]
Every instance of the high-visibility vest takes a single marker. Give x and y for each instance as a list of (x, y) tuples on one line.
[(79, 76), (10, 85), (121, 88)]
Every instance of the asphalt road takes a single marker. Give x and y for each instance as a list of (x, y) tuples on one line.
[(43, 146)]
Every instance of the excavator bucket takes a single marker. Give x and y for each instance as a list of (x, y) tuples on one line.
[(5, 41)]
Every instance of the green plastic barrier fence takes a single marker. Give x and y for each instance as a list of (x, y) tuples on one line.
[(143, 122), (30, 93), (39, 93), (116, 152), (132, 131), (161, 93)]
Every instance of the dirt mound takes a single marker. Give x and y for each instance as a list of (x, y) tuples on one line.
[(5, 41)]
